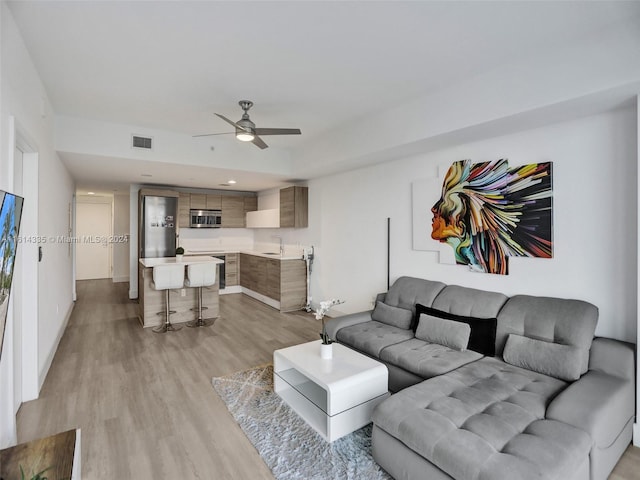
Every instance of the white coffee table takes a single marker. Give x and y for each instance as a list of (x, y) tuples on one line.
[(334, 396)]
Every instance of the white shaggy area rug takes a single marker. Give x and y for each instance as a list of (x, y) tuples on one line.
[(291, 448)]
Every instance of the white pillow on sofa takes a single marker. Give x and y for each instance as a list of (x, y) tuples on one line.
[(449, 333)]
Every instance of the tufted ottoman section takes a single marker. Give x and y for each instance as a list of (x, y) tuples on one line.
[(485, 421), (371, 337)]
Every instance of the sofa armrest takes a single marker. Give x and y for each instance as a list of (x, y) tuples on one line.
[(602, 401), (335, 324), (612, 357)]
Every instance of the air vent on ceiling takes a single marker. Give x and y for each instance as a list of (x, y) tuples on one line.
[(141, 142)]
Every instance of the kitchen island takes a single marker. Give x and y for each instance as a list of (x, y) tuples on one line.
[(151, 301)]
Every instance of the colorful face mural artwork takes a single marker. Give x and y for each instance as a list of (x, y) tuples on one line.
[(489, 212)]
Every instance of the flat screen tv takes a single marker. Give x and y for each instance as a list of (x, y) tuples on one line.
[(10, 214)]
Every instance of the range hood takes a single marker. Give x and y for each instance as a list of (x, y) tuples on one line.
[(264, 218)]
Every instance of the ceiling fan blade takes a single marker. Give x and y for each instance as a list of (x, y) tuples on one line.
[(234, 124), (258, 142), (278, 131), (211, 134)]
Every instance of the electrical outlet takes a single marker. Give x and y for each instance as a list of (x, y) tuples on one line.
[(183, 292)]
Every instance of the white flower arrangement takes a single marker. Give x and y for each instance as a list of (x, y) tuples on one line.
[(321, 312)]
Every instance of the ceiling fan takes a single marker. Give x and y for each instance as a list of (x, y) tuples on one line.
[(246, 130)]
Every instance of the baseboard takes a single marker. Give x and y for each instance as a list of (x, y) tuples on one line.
[(263, 298), (120, 279), (231, 289), (45, 370), (636, 434)]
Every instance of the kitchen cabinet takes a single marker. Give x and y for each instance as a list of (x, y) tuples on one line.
[(272, 281), (284, 281), (234, 207), (231, 269), (253, 273), (232, 212), (294, 207), (198, 201), (250, 205), (184, 205), (214, 202)]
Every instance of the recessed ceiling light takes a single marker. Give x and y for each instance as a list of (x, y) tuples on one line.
[(231, 182), (91, 193), (146, 175)]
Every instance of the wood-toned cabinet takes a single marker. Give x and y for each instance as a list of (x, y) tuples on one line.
[(272, 280), (234, 207), (231, 269), (284, 281), (184, 205), (214, 202), (294, 207), (198, 201), (250, 205), (232, 212)]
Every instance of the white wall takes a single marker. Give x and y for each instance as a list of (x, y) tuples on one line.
[(595, 234), (120, 229), (24, 97)]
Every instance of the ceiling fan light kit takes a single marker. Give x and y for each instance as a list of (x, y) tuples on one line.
[(244, 136), (246, 131)]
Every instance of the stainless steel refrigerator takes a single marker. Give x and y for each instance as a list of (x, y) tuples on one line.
[(158, 216)]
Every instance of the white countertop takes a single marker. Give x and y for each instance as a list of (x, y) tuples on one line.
[(186, 260), (274, 255)]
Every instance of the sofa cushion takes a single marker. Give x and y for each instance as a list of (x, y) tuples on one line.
[(454, 335), (469, 302), (394, 316), (567, 322), (485, 420), (483, 330), (559, 361), (371, 337), (426, 359), (407, 291)]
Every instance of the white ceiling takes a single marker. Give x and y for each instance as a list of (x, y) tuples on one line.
[(311, 65)]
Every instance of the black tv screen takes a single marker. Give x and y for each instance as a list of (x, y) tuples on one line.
[(10, 214)]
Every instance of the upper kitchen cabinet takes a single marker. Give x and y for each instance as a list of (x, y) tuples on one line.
[(198, 201), (250, 204), (233, 212), (214, 202), (184, 204), (294, 207)]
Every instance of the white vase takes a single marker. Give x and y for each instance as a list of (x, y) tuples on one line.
[(326, 351), (178, 258)]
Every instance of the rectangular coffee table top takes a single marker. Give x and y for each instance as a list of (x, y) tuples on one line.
[(347, 369)]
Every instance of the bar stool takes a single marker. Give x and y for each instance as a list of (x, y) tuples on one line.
[(167, 277), (201, 275)]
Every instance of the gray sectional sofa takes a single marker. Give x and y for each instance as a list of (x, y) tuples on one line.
[(533, 396)]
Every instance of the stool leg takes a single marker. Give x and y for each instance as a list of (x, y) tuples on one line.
[(167, 326), (200, 322)]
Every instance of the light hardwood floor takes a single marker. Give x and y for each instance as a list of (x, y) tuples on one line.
[(144, 401)]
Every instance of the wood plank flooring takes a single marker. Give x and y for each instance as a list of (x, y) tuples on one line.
[(144, 401)]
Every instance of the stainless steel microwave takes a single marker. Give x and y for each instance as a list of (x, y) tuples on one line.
[(205, 218)]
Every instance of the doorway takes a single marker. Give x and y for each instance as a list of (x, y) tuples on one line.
[(93, 236)]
